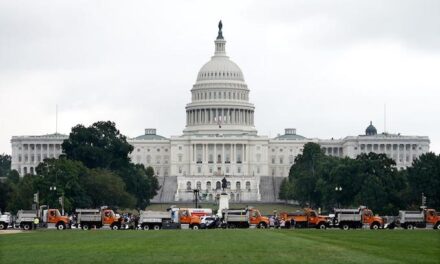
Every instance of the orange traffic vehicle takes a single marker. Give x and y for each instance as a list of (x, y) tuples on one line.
[(244, 218), (357, 218), (307, 218), (189, 216), (49, 217), (103, 217), (425, 218)]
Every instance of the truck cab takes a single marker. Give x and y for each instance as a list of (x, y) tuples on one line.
[(190, 216), (374, 222), (255, 218), (53, 218), (5, 220), (432, 218), (109, 217)]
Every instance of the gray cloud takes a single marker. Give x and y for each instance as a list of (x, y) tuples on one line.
[(324, 67)]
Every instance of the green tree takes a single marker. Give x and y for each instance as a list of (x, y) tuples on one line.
[(100, 145), (68, 177), (424, 177), (107, 188), (304, 175), (381, 184), (5, 165), (23, 193), (285, 190)]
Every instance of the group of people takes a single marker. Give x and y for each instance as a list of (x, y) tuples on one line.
[(277, 222)]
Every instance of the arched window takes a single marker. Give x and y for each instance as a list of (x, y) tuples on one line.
[(238, 185), (199, 185), (188, 186), (208, 185), (228, 185), (248, 185), (218, 185)]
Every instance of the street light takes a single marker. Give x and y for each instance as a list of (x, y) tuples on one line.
[(338, 190), (52, 189)]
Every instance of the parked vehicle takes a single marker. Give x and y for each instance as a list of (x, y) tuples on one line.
[(244, 218), (208, 222), (153, 219), (307, 218), (5, 220), (49, 217), (356, 218), (426, 218), (189, 216), (103, 217)]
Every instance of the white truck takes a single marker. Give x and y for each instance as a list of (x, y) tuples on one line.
[(244, 218), (356, 218), (5, 220), (25, 219), (103, 217), (50, 218), (422, 219), (153, 219)]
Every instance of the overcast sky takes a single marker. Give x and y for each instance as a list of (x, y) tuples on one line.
[(324, 67)]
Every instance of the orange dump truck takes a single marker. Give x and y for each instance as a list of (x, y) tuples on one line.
[(89, 218), (49, 217), (236, 218), (426, 218), (357, 218), (307, 218), (189, 216)]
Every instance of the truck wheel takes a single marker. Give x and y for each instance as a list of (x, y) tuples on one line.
[(3, 226), (115, 227), (195, 227), (61, 227), (409, 226), (156, 227), (437, 226), (27, 227), (262, 225), (85, 227), (322, 226), (345, 226), (146, 227), (375, 226)]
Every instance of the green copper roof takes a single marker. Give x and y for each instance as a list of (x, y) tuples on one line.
[(150, 137), (290, 137)]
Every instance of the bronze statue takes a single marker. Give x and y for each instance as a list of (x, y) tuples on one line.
[(224, 183), (220, 33)]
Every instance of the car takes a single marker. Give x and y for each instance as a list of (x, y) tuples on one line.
[(208, 222)]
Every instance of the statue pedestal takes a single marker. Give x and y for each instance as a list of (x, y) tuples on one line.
[(223, 203)]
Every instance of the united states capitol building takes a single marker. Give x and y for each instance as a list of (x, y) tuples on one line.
[(220, 141)]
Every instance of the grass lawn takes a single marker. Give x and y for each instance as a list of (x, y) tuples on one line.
[(221, 246)]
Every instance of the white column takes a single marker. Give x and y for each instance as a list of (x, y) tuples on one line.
[(215, 153), (223, 153)]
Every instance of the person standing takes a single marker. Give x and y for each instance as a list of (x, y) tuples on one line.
[(36, 222)]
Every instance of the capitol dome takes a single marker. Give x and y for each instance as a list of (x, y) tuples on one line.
[(220, 68), (220, 97), (371, 130)]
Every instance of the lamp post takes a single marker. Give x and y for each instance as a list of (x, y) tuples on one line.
[(196, 196), (338, 190), (52, 190)]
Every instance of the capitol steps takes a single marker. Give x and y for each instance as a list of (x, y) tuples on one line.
[(270, 188), (168, 188)]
